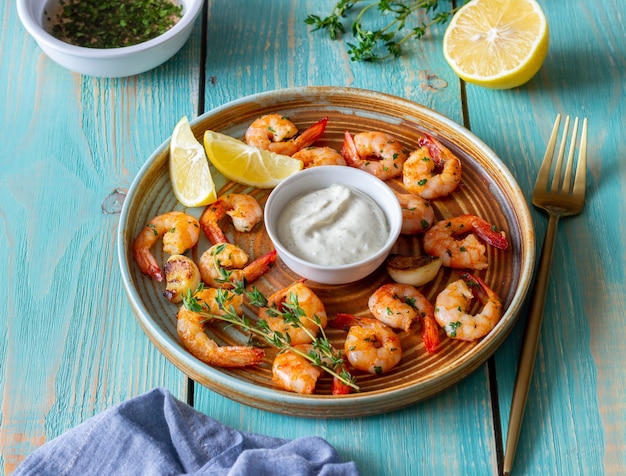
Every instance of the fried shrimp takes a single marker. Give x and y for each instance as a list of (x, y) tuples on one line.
[(295, 373), (190, 328), (400, 305), (370, 345), (292, 371), (224, 264), (278, 134), (244, 210), (305, 313), (179, 231), (315, 156), (378, 153), (452, 305), (432, 171), (467, 252), (417, 214)]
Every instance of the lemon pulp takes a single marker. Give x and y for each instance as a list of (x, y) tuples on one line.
[(190, 175), (246, 164), (498, 44)]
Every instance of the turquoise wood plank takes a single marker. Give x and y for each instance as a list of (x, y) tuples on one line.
[(575, 420), (245, 56), (256, 46), (69, 344), (449, 434)]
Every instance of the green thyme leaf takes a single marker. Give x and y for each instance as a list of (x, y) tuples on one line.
[(376, 44)]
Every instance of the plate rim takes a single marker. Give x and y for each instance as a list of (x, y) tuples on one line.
[(192, 367)]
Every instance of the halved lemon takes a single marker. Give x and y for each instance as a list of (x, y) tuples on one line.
[(248, 165), (497, 44), (189, 168)]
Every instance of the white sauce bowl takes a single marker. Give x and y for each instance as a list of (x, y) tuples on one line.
[(317, 178), (109, 62)]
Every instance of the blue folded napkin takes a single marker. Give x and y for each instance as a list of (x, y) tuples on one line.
[(157, 434)]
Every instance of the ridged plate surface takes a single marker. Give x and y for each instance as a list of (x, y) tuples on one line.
[(487, 190)]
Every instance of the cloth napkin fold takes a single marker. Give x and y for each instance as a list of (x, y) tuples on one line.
[(157, 434)]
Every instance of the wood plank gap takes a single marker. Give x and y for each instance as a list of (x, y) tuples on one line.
[(491, 365), (464, 108), (190, 384), (190, 387), (495, 412), (203, 54)]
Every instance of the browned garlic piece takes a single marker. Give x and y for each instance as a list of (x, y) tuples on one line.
[(413, 270), (181, 274)]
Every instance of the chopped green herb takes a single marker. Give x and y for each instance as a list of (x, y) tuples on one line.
[(452, 327), (111, 23)]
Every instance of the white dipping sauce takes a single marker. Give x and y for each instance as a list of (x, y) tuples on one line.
[(335, 225)]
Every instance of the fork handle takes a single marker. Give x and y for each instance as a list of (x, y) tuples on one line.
[(529, 345)]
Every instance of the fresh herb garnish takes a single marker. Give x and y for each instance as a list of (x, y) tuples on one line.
[(386, 42), (323, 354), (451, 328), (111, 23)]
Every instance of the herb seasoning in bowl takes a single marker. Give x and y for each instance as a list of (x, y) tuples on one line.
[(112, 38), (110, 24)]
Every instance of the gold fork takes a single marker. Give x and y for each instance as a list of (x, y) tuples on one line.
[(561, 198)]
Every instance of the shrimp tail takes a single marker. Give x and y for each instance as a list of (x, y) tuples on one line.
[(430, 334), (148, 265), (485, 231), (212, 231), (239, 356), (344, 321), (434, 148), (311, 134), (349, 150), (340, 388), (479, 288), (259, 266), (231, 356)]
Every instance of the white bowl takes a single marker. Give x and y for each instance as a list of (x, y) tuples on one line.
[(317, 178), (110, 62)]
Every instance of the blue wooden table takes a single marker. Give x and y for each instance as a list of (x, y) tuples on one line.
[(70, 346)]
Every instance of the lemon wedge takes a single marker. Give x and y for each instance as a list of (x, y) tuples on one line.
[(248, 165), (499, 44), (189, 168)]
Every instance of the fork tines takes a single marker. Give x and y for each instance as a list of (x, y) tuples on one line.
[(578, 182)]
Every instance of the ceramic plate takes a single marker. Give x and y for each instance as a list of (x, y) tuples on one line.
[(487, 189)]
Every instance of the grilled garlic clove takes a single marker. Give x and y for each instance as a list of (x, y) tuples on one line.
[(181, 274), (413, 270)]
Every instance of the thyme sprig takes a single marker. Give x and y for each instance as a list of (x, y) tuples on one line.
[(323, 355), (386, 42), (224, 275)]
